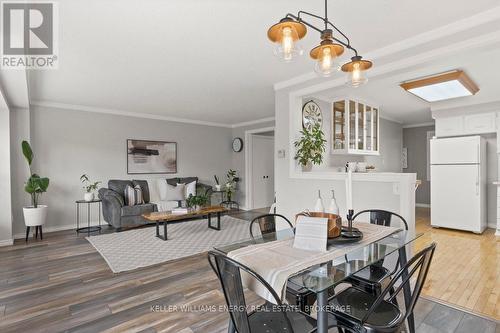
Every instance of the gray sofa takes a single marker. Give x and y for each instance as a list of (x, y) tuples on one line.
[(117, 214)]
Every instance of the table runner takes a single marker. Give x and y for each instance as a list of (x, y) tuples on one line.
[(277, 261)]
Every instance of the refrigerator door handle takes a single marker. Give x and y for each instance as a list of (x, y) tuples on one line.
[(477, 180)]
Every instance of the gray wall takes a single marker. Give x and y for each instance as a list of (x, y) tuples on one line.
[(415, 139), (68, 143), (238, 159)]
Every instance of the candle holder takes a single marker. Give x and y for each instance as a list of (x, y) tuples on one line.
[(350, 231)]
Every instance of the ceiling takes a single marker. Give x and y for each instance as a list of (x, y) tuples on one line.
[(211, 60), (401, 106)]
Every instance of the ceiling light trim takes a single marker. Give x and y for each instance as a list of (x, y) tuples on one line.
[(436, 84), (429, 80)]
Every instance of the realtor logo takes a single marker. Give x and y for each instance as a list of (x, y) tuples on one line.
[(29, 35)]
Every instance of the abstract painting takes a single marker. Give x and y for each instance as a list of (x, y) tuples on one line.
[(146, 156)]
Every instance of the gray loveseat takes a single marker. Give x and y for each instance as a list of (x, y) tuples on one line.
[(117, 214)]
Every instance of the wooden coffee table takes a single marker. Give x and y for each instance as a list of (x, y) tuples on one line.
[(164, 217)]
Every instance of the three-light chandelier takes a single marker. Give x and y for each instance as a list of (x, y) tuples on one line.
[(289, 30)]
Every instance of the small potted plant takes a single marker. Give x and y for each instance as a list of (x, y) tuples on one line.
[(230, 186), (89, 187), (197, 201), (34, 215), (310, 147)]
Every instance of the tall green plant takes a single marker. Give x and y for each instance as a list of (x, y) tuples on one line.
[(230, 186), (35, 185), (311, 146)]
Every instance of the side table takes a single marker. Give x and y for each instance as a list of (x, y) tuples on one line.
[(88, 229)]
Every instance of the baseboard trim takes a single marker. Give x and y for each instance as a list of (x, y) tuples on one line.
[(47, 229), (7, 242), (423, 205), (492, 225)]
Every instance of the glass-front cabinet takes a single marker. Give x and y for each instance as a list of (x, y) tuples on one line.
[(354, 128)]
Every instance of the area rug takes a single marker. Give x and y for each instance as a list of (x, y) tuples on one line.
[(128, 250)]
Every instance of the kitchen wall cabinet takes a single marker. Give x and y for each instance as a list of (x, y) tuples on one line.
[(480, 123), (355, 128)]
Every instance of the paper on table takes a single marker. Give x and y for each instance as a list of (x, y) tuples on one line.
[(311, 233)]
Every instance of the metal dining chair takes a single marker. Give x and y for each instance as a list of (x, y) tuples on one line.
[(367, 313), (267, 223), (268, 318), (373, 277)]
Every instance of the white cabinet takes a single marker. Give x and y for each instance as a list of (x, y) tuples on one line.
[(355, 128), (480, 123), (450, 126)]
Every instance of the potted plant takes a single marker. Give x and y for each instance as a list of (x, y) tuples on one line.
[(197, 201), (310, 147), (34, 215), (230, 186), (89, 187)]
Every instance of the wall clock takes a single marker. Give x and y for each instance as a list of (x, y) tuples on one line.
[(237, 145), (311, 115)]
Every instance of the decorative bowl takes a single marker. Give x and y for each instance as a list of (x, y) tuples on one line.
[(334, 222)]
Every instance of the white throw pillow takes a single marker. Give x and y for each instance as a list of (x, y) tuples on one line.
[(162, 189), (154, 194), (175, 193), (189, 188)]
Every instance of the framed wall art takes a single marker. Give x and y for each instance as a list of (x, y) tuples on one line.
[(147, 156)]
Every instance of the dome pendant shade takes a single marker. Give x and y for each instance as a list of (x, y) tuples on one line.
[(357, 63), (356, 69), (285, 35), (336, 50), (275, 33), (326, 55)]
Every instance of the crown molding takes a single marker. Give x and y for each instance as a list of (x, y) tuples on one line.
[(406, 44), (253, 122), (419, 125), (93, 109), (389, 118)]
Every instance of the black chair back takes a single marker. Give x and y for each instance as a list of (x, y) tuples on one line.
[(381, 217), (229, 273), (419, 263), (267, 223)]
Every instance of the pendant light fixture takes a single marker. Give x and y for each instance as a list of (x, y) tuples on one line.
[(289, 30)]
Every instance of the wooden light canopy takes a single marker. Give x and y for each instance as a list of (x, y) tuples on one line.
[(442, 86)]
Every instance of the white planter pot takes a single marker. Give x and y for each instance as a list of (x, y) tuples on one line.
[(35, 216), (307, 167), (218, 187), (88, 196)]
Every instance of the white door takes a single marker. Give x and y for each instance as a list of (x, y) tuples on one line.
[(463, 150), (455, 196), (262, 171)]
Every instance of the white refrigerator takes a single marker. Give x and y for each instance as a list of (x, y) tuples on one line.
[(458, 183)]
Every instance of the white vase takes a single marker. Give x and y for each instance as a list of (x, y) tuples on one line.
[(333, 208), (35, 216), (88, 196), (217, 187), (318, 207), (307, 167)]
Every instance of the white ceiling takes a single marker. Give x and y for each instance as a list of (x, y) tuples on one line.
[(211, 60), (399, 105)]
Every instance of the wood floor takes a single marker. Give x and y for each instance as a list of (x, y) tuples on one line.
[(61, 284), (465, 270)]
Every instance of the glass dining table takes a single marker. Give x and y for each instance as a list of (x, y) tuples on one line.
[(322, 278)]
